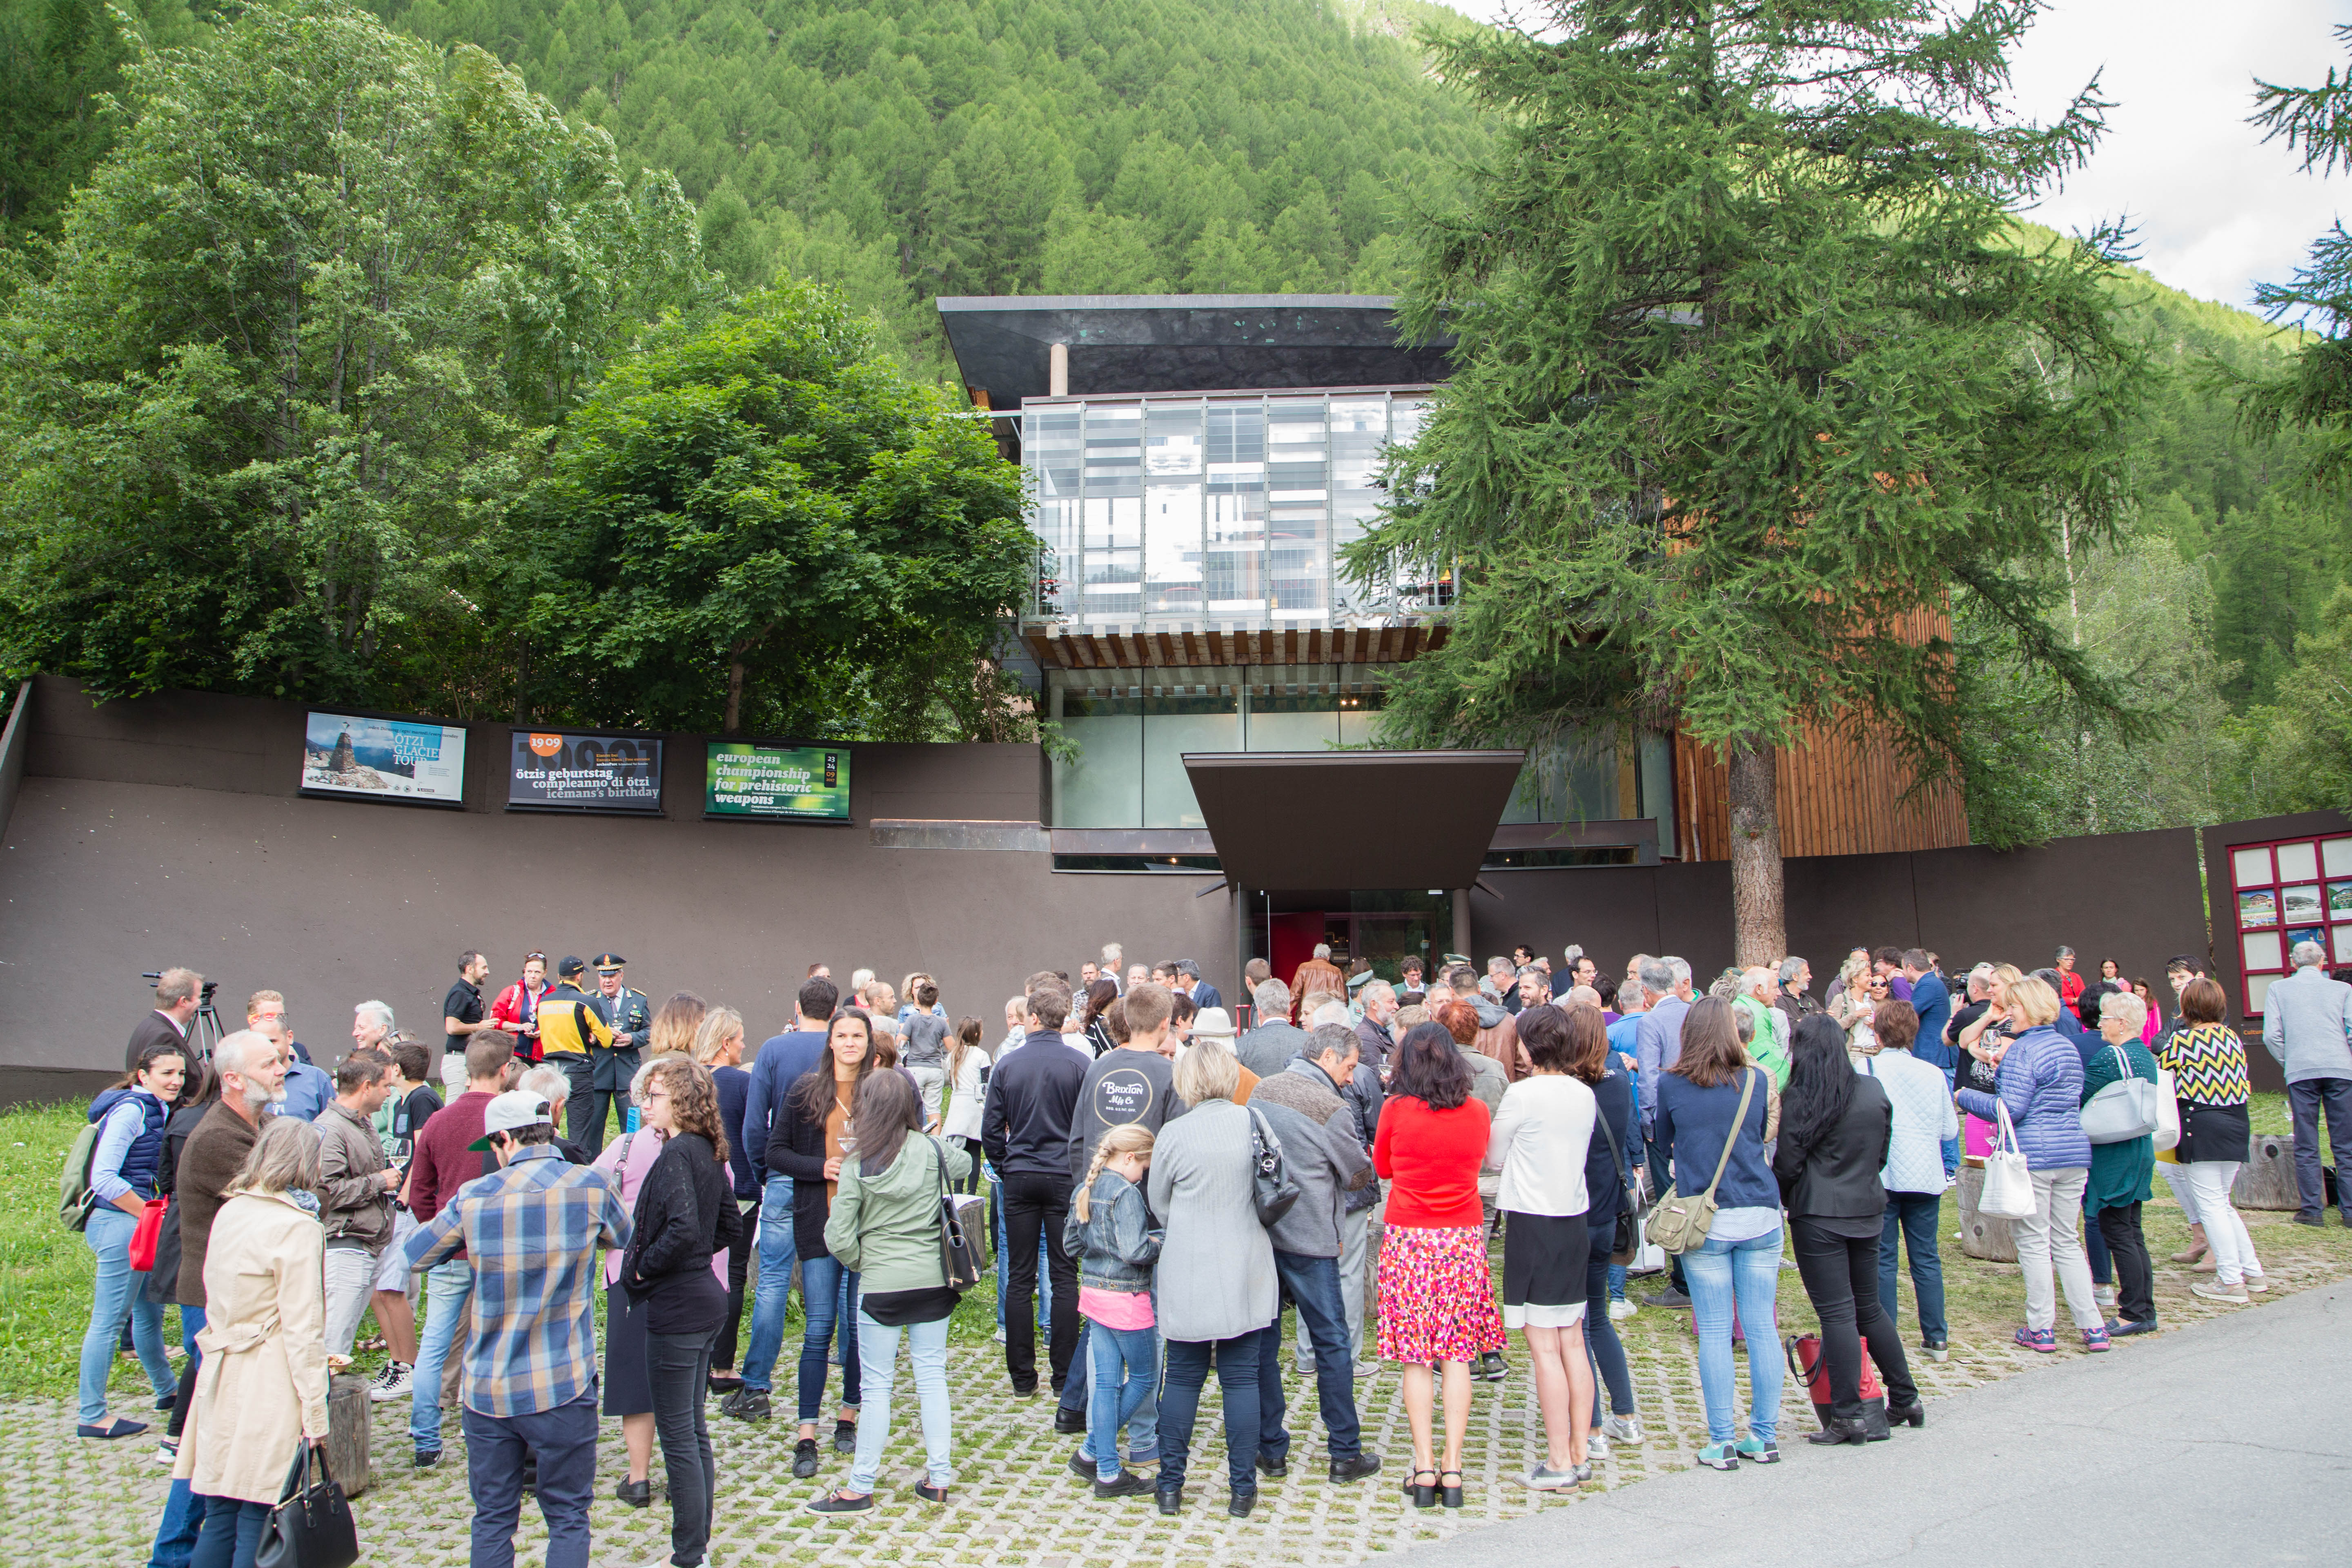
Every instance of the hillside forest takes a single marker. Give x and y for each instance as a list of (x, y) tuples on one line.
[(604, 231)]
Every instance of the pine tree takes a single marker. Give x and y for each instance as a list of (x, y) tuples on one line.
[(1753, 378)]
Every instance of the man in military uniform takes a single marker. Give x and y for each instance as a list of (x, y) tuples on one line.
[(574, 1036), (630, 1016)]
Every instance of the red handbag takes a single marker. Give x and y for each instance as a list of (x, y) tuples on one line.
[(143, 1239)]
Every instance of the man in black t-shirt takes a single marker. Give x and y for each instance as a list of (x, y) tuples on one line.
[(461, 1010)]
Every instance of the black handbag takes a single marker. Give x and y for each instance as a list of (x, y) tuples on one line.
[(1273, 1189), (963, 1230), (312, 1527), (1627, 1237)]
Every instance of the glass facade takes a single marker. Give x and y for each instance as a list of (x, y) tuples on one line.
[(1224, 510)]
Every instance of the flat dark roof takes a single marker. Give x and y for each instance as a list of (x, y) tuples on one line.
[(1183, 343), (1283, 820)]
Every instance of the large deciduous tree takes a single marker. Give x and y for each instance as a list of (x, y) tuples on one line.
[(263, 409), (1754, 375), (755, 523)]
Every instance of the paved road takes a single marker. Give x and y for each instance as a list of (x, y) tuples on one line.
[(2230, 1441)]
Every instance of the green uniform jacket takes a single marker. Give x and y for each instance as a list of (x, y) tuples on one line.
[(1769, 1048), (2120, 1172), (885, 1228)]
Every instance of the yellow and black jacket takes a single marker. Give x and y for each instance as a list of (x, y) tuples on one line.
[(569, 1022)]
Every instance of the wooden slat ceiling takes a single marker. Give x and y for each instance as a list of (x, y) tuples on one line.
[(1180, 647)]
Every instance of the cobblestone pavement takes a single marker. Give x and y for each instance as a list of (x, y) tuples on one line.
[(64, 1502)]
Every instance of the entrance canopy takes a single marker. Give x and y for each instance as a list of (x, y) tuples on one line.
[(1352, 819)]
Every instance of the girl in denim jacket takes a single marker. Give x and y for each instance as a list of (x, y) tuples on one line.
[(1111, 1234)]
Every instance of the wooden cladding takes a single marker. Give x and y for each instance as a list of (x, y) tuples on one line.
[(1838, 796), (1177, 647)]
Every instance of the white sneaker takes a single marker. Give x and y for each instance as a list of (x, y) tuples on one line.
[(1621, 1430), (2235, 1295), (167, 1452), (1596, 1445), (2105, 1295), (2258, 1283), (999, 1335), (382, 1375), (395, 1385), (1620, 1310)]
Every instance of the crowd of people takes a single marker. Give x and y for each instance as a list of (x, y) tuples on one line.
[(1160, 1183)]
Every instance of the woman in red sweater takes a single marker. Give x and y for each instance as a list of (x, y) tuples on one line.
[(1438, 1306)]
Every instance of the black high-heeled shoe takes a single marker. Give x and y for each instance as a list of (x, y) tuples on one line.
[(1912, 1414), (1423, 1495), (1840, 1430), (1452, 1495)]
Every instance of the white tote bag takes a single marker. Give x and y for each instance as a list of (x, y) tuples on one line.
[(2168, 1111), (2008, 1186), (2124, 1110)]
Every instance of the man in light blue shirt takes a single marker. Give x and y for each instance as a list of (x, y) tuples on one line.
[(2308, 1026)]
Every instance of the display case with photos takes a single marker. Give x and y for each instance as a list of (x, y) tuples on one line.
[(2294, 890)]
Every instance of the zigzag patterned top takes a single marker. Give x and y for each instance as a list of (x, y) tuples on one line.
[(2208, 1065)]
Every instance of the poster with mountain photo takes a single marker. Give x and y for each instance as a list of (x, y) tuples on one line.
[(347, 754)]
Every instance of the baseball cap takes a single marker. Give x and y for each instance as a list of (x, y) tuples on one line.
[(568, 967), (515, 1108)]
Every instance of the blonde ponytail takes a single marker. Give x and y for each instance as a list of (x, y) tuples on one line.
[(1128, 1138)]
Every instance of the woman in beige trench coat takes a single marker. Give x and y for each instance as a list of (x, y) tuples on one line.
[(261, 1390)]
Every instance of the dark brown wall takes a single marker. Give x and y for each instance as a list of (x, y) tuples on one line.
[(2133, 896), (110, 868)]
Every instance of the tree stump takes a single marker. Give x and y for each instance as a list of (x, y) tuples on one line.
[(2266, 1181), (1981, 1234), (349, 1411)]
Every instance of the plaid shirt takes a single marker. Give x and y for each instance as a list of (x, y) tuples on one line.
[(532, 1230)]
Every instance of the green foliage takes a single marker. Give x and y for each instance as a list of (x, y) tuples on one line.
[(756, 526), (1754, 376), (2301, 746), (294, 346), (914, 148), (60, 59)]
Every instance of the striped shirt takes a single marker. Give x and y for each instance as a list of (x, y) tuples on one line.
[(532, 1230), (2208, 1065)]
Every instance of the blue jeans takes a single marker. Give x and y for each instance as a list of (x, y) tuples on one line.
[(1129, 1354), (447, 1287), (1239, 1364), (1745, 1277), (1914, 1216), (232, 1533), (563, 1441), (2306, 1101), (775, 1295), (181, 1526), (120, 1290), (926, 1347), (828, 1298), (1314, 1286)]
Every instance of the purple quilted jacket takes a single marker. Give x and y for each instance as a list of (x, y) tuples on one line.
[(2041, 1081)]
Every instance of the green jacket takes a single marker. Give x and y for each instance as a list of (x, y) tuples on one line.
[(887, 1228), (1769, 1048), (2120, 1172)]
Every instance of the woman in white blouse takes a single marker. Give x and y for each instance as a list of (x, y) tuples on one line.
[(1541, 1133)]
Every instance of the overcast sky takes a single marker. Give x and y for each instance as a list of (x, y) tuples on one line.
[(2215, 208)]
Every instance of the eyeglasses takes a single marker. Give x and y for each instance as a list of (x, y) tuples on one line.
[(534, 958)]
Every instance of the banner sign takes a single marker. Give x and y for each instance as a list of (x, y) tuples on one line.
[(382, 759), (564, 770), (745, 779)]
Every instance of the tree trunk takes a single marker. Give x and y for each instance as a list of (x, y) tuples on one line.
[(734, 725), (1760, 920)]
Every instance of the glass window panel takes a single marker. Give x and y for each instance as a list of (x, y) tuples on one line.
[(2251, 865), (2300, 906), (2262, 950), (1114, 514), (1173, 463), (1172, 727), (1657, 769), (1359, 721), (1360, 430), (2344, 944), (1299, 509), (2337, 852), (1104, 788), (1282, 722), (1234, 570), (2258, 987), (2298, 862)]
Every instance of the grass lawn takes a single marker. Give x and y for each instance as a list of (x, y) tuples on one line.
[(45, 1271)]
